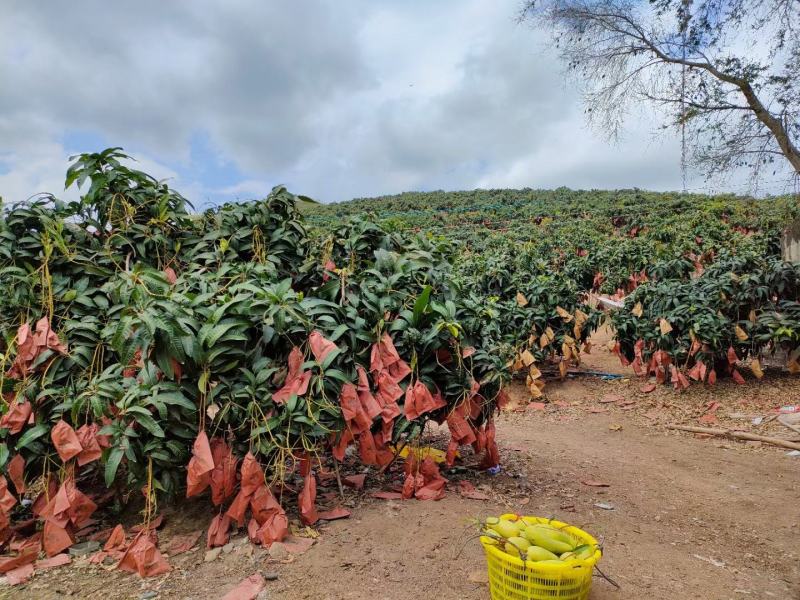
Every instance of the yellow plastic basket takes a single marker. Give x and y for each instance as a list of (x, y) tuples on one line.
[(511, 578)]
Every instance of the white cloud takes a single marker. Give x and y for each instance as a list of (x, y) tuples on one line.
[(333, 99)]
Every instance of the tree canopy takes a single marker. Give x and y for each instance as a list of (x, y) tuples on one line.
[(727, 71)]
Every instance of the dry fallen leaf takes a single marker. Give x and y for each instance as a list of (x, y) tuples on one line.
[(475, 495), (609, 398), (334, 514), (479, 576), (594, 483)]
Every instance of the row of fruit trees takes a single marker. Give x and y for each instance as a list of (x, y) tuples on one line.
[(148, 349)]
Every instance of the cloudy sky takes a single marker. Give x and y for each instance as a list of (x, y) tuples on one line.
[(334, 99)]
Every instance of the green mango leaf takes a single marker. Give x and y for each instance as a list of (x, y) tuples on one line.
[(149, 423), (32, 434), (421, 304), (112, 464), (4, 454)]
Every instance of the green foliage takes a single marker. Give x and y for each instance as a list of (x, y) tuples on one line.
[(756, 294), (703, 263), (177, 322)]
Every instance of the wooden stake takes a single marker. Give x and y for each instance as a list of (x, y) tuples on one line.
[(738, 435)]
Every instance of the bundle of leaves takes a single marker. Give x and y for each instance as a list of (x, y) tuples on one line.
[(165, 338), (555, 246), (538, 316), (739, 309), (578, 233)]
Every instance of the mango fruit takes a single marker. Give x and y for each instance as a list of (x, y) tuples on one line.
[(519, 542), (506, 529), (537, 553), (550, 539), (585, 551), (516, 546)]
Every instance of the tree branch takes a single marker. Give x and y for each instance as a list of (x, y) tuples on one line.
[(605, 35)]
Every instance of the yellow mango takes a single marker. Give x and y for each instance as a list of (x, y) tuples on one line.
[(568, 555), (548, 538), (517, 546), (505, 529), (537, 553)]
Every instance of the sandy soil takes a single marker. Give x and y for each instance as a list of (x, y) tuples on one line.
[(692, 517)]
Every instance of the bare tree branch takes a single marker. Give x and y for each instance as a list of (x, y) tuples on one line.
[(742, 108)]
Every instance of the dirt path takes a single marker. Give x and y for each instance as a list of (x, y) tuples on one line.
[(677, 499), (682, 507), (692, 518)]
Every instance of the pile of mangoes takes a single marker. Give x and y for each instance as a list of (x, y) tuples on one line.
[(542, 543)]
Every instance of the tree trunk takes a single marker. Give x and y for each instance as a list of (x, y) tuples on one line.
[(790, 242), (777, 128)]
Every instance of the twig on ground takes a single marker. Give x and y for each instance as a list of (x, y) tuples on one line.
[(789, 425), (607, 578), (738, 435)]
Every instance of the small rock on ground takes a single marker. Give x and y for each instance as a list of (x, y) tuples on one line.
[(84, 548), (212, 554), (277, 551)]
